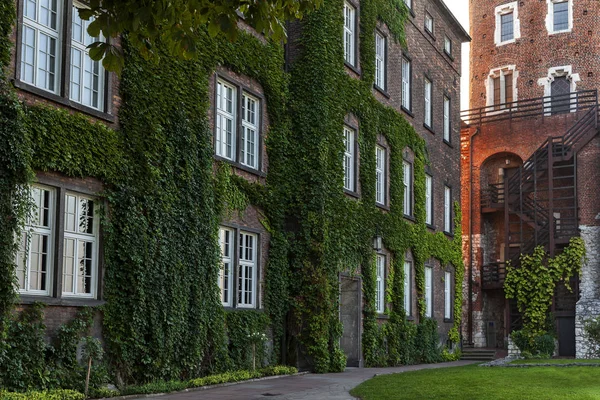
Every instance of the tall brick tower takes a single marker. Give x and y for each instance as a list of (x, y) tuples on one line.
[(530, 151)]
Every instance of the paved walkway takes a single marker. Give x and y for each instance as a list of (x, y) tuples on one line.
[(303, 387)]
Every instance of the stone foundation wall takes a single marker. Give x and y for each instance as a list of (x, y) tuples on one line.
[(588, 305)]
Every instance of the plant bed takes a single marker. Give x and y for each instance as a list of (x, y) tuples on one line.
[(554, 361)]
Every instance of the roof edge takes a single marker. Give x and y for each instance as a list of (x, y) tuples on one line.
[(462, 31)]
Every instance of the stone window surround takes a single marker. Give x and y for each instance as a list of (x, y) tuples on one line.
[(550, 16), (555, 72), (502, 10), (500, 72)]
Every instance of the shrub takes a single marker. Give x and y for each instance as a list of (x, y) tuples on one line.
[(541, 346), (592, 331), (59, 394)]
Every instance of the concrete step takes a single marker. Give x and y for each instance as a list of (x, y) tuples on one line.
[(478, 354)]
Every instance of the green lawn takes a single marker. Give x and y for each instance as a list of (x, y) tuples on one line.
[(488, 383), (555, 361)]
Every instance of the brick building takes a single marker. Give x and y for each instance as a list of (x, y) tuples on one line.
[(528, 159), (62, 263)]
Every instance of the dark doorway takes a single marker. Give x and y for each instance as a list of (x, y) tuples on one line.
[(350, 310), (566, 336), (560, 87)]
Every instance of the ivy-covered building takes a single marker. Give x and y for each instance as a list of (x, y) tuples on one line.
[(307, 190)]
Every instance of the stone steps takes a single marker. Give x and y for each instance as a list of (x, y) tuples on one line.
[(478, 354)]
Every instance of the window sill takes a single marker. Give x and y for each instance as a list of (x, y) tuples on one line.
[(559, 32), (448, 320), (448, 144), (430, 129), (241, 309), (241, 166), (500, 44), (410, 318), (449, 234), (430, 227), (407, 111), (352, 67), (429, 33), (449, 55), (61, 100), (382, 91), (351, 193), (65, 301), (385, 207), (410, 217), (410, 10), (382, 316)]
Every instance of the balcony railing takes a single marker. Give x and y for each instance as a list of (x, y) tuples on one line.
[(492, 196), (527, 108), (493, 275)]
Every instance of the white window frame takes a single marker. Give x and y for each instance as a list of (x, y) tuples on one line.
[(503, 10), (406, 83), (380, 284), (78, 237), (408, 4), (408, 287), (428, 291), (428, 22), (349, 158), (223, 115), (80, 45), (242, 274), (428, 199), (380, 60), (553, 73), (447, 209), (428, 86), (349, 33), (248, 125), (501, 72), (550, 16), (227, 265), (40, 29), (31, 228), (447, 108), (447, 295), (448, 46), (380, 175), (408, 187)]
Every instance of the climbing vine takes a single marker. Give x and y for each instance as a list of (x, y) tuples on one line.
[(533, 283)]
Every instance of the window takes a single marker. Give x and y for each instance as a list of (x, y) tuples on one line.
[(87, 75), (42, 57), (349, 33), (447, 209), (428, 104), (560, 83), (447, 135), (245, 272), (428, 200), (380, 288), (448, 46), (428, 23), (78, 262), (349, 159), (380, 175), (407, 288), (228, 123), (447, 295), (407, 180), (508, 27), (40, 44), (560, 16), (406, 79), (502, 87), (408, 3), (380, 53), (428, 291), (560, 87)]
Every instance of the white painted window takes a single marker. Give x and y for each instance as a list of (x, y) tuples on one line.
[(428, 104), (447, 295), (446, 119), (408, 3), (408, 182), (41, 44), (35, 255), (226, 236), (428, 22), (380, 52), (559, 18), (349, 33), (508, 26), (247, 270), (80, 248), (448, 45), (406, 81), (380, 284), (349, 158), (250, 123), (380, 175), (87, 75), (428, 199), (447, 209), (502, 87), (407, 287), (428, 291), (226, 120)]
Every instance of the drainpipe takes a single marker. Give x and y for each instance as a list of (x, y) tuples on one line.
[(470, 313)]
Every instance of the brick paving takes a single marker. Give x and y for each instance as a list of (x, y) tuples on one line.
[(303, 387)]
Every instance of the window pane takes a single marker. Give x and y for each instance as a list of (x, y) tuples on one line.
[(507, 27), (561, 16), (349, 159), (407, 288)]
